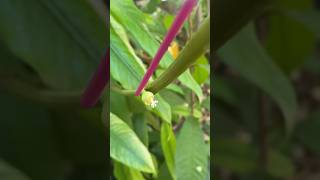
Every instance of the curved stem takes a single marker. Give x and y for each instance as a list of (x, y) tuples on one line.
[(123, 91), (114, 87), (47, 97), (198, 44)]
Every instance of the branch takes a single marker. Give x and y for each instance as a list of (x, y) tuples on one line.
[(198, 45)]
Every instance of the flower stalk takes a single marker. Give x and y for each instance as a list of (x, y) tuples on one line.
[(148, 99), (198, 45), (97, 84), (183, 14)]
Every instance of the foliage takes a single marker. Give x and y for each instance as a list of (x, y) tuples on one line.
[(266, 107), (49, 49), (264, 81), (151, 144)]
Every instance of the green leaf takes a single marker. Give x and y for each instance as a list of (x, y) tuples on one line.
[(126, 147), (9, 64), (173, 98), (309, 18), (163, 109), (191, 156), (308, 132), (61, 40), (256, 66), (196, 46), (186, 111), (7, 172), (168, 20), (26, 139), (151, 6), (289, 42), (135, 104), (125, 66), (175, 88), (279, 165), (119, 106), (168, 144), (230, 16), (243, 158), (234, 156), (82, 135), (187, 80), (135, 22), (201, 70), (164, 173), (122, 172), (224, 91), (141, 128)]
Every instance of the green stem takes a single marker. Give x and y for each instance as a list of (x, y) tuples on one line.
[(38, 95), (123, 91), (114, 87), (198, 44)]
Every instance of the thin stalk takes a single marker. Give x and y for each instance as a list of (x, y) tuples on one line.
[(38, 95), (263, 130), (182, 15), (198, 45), (123, 91), (116, 88)]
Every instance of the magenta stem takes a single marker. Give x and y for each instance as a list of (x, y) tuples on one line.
[(182, 15), (97, 84)]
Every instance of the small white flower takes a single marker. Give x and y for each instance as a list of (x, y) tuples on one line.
[(199, 169), (154, 103), (148, 99)]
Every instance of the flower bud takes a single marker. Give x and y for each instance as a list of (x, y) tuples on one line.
[(148, 99)]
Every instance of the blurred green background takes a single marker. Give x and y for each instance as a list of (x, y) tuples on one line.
[(266, 97), (266, 93), (48, 51), (174, 135)]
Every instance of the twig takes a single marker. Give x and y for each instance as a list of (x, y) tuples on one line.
[(178, 126), (263, 129), (39, 95), (122, 91), (199, 16)]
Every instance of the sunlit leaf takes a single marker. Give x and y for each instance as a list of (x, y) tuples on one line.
[(126, 147), (191, 156), (125, 66), (123, 172), (163, 109), (135, 22), (168, 143)]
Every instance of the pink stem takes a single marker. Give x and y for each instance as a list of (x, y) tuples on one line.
[(183, 14), (96, 86)]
